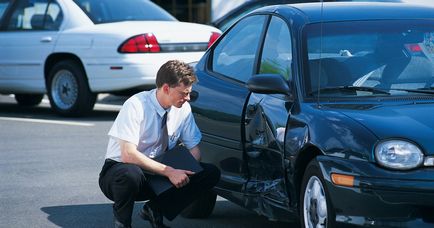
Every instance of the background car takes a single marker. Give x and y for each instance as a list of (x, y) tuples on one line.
[(246, 7), (310, 119), (73, 50)]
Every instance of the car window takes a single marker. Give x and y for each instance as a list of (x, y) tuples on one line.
[(115, 10), (380, 56), (234, 55), (277, 51), (35, 15)]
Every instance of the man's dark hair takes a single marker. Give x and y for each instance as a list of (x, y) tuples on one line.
[(174, 72)]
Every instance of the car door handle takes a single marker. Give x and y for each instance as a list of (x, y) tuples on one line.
[(46, 39)]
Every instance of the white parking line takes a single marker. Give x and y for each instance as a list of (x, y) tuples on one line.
[(109, 106), (48, 121)]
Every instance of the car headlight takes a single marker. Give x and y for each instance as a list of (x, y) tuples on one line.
[(398, 154)]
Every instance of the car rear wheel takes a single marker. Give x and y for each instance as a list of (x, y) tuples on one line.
[(29, 99), (202, 207), (68, 89), (315, 209)]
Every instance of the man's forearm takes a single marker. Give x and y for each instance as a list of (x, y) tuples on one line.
[(130, 154), (196, 153)]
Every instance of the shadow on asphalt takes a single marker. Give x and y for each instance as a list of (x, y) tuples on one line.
[(225, 215), (92, 215)]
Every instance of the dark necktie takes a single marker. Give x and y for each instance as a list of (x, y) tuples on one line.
[(164, 135)]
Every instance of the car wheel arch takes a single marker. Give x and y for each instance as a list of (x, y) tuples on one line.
[(58, 57), (305, 155)]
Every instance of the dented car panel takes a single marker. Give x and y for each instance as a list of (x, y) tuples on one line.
[(265, 124), (314, 121)]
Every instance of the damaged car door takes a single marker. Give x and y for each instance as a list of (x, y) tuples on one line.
[(221, 97), (266, 115)]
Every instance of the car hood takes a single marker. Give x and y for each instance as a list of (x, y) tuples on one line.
[(165, 31), (412, 121)]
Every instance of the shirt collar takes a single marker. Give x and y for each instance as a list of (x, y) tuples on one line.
[(160, 110)]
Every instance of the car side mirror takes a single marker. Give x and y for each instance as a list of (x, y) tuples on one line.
[(268, 84)]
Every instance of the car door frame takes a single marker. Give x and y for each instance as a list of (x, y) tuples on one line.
[(261, 191), (29, 75), (232, 184)]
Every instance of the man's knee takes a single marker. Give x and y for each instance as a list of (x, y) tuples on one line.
[(211, 173), (130, 177)]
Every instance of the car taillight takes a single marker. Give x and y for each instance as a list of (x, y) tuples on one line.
[(213, 38), (143, 43), (413, 47), (415, 50)]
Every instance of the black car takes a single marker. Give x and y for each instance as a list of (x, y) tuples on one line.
[(248, 6), (322, 114)]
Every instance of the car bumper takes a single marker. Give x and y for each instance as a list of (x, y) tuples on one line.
[(130, 70), (380, 197)]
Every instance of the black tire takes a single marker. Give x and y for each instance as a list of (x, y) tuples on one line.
[(68, 89), (28, 99), (202, 207), (319, 210)]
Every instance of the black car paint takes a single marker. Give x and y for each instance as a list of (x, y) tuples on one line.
[(221, 128)]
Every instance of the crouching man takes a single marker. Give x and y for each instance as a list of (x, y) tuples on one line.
[(149, 124)]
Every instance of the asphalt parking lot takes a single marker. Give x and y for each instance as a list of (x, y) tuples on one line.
[(49, 170)]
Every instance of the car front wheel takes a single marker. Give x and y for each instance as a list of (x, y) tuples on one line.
[(68, 89), (315, 209)]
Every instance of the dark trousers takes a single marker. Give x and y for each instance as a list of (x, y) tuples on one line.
[(126, 183)]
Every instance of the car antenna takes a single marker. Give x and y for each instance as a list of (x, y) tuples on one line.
[(320, 54)]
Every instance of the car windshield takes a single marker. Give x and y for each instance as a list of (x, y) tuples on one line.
[(105, 11), (379, 58)]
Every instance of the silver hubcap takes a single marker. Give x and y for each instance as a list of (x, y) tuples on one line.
[(64, 89), (315, 204)]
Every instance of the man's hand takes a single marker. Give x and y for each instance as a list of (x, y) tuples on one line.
[(178, 177)]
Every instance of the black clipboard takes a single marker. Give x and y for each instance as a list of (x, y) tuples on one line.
[(178, 158)]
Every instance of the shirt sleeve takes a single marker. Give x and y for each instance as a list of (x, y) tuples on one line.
[(190, 135), (127, 124)]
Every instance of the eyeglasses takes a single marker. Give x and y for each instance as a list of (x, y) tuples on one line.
[(182, 93)]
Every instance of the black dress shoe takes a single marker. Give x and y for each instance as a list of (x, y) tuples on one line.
[(153, 216), (120, 225)]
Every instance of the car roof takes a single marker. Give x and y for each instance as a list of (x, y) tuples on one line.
[(350, 11), (251, 3)]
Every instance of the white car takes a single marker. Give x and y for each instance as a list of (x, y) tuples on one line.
[(74, 49)]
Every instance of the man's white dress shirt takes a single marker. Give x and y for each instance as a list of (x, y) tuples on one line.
[(139, 122)]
